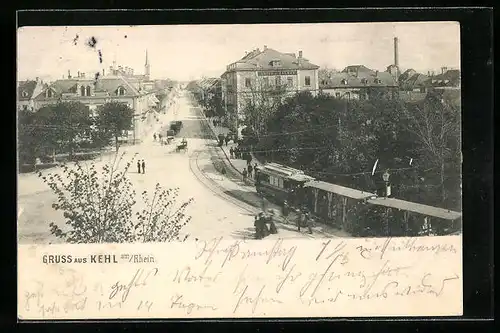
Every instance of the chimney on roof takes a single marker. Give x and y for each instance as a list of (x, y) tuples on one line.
[(443, 69), (265, 47), (78, 74), (69, 74), (396, 56), (82, 74), (376, 73), (300, 54), (103, 72)]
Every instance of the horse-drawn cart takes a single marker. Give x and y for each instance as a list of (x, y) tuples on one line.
[(182, 146)]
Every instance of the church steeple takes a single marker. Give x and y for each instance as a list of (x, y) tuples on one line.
[(147, 69)]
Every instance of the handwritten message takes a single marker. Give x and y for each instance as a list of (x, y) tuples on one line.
[(245, 278)]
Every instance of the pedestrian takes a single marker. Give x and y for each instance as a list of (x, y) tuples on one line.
[(143, 167), (159, 135), (309, 222), (138, 166), (154, 137), (249, 158), (250, 169), (227, 139), (231, 152), (244, 174), (301, 220), (255, 167)]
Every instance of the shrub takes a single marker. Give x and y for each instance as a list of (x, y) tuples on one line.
[(98, 206)]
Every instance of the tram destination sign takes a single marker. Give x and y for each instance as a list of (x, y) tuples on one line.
[(273, 73)]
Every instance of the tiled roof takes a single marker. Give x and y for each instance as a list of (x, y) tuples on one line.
[(261, 60), (363, 79), (359, 69), (208, 82), (25, 90), (105, 84), (416, 81), (407, 74)]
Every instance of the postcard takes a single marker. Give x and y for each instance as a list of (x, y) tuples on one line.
[(239, 171)]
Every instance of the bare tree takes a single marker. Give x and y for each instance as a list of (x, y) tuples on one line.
[(436, 125), (261, 98)]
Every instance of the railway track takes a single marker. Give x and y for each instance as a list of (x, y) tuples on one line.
[(219, 190)]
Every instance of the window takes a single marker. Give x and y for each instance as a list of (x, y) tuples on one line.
[(24, 94), (49, 93), (278, 80), (121, 91), (266, 82), (289, 82), (87, 90), (344, 81), (248, 82), (364, 81), (377, 81), (82, 91), (337, 95), (308, 80)]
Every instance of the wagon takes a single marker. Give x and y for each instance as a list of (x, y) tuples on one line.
[(182, 146)]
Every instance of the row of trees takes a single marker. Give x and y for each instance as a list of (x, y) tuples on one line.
[(66, 127), (339, 141)]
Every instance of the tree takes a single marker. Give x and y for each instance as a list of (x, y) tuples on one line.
[(261, 99), (113, 118), (73, 124), (101, 206), (62, 126), (435, 126)]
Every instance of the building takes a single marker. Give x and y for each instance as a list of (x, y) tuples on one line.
[(119, 86), (26, 91), (206, 88), (414, 86), (264, 74), (359, 82)]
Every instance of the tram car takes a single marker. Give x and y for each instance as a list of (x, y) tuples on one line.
[(279, 183), (360, 213)]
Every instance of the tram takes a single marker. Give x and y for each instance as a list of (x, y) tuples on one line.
[(279, 183)]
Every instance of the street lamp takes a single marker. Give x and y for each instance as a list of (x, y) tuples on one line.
[(385, 177)]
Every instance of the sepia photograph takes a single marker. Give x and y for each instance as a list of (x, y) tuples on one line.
[(257, 135)]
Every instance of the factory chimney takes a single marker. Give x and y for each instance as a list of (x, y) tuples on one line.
[(396, 58)]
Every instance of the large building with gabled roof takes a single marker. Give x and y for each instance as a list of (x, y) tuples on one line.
[(260, 72), (96, 92)]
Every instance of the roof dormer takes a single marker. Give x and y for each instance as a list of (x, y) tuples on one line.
[(121, 91), (344, 82), (49, 93), (275, 63), (24, 93)]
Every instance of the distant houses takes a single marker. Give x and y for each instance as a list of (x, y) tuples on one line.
[(26, 91), (120, 84), (359, 82)]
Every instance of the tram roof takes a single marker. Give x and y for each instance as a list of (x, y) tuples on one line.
[(281, 169), (340, 190), (416, 208)]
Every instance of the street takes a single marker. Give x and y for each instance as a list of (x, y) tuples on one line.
[(215, 212)]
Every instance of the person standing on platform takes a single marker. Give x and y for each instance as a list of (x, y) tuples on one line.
[(143, 167), (244, 174), (154, 137), (250, 169), (138, 166)]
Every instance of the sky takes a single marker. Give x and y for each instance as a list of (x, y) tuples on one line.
[(188, 52)]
